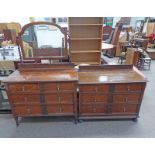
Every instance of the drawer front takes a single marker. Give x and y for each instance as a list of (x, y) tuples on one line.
[(53, 109), (34, 87), (27, 110), (89, 109), (87, 98), (131, 108), (60, 109), (94, 88), (101, 98), (59, 98), (25, 99), (54, 87), (128, 87), (125, 98), (120, 108), (93, 98), (67, 108)]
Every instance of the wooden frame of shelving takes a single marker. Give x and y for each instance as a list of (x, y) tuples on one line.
[(85, 39)]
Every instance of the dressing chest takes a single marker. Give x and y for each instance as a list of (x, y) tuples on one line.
[(43, 90), (112, 91)]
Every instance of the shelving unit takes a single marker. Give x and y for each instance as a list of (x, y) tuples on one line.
[(85, 39)]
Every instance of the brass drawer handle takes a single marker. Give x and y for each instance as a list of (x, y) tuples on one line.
[(128, 88), (124, 109), (126, 99), (95, 99), (96, 89), (58, 88), (59, 99), (94, 109), (60, 110), (28, 111), (23, 88)]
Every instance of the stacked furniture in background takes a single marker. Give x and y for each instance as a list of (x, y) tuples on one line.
[(111, 52), (85, 39)]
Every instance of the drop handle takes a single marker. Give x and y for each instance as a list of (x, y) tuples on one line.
[(28, 110), (60, 109), (96, 89), (126, 99), (59, 99), (128, 88), (58, 88)]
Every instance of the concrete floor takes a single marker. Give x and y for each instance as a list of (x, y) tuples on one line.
[(50, 127)]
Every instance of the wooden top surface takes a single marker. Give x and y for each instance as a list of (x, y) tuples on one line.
[(111, 75), (107, 46), (43, 76)]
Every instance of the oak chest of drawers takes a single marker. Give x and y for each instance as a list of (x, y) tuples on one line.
[(50, 92), (110, 92)]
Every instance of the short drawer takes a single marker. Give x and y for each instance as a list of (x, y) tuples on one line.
[(67, 108), (22, 110), (128, 87), (89, 109), (125, 98), (59, 98), (28, 87), (93, 98), (94, 88), (121, 108), (60, 109), (25, 99), (54, 87)]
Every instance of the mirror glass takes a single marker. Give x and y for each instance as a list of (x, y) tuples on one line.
[(43, 41)]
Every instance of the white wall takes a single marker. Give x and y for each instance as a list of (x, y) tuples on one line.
[(22, 21)]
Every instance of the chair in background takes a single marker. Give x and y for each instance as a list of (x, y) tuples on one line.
[(106, 32), (111, 52)]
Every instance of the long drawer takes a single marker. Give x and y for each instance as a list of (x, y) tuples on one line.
[(25, 110), (54, 98), (93, 98), (40, 87), (115, 88), (109, 109)]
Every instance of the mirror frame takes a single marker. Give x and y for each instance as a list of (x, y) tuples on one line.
[(20, 42)]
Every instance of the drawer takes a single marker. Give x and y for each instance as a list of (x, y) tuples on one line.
[(128, 87), (126, 98), (87, 98), (58, 87), (27, 110), (131, 108), (94, 88), (22, 99), (29, 87), (120, 108), (101, 98), (67, 108), (93, 98), (86, 109), (59, 98), (53, 109), (60, 109)]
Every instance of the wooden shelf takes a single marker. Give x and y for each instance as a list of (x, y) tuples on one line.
[(85, 24), (85, 51), (85, 38), (85, 62)]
